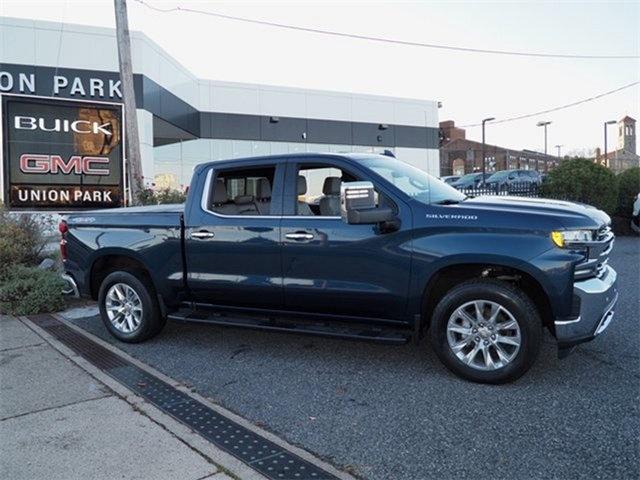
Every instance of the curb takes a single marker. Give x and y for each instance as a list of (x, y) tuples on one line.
[(180, 430)]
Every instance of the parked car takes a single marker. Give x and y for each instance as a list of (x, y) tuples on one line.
[(470, 180), (508, 179), (635, 216), (388, 254), (449, 179)]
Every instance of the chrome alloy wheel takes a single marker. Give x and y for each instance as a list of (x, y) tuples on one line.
[(124, 307), (483, 335)]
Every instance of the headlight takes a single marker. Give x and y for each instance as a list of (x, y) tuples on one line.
[(564, 237)]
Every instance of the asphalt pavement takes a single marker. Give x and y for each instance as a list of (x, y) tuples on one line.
[(388, 412)]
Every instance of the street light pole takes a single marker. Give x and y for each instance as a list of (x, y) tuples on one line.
[(544, 124), (609, 122), (558, 147), (484, 167)]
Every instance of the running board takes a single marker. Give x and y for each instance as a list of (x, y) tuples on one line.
[(331, 330)]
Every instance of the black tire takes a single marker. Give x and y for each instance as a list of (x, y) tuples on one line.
[(152, 320), (506, 295)]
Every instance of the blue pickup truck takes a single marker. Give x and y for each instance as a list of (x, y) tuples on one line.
[(357, 246)]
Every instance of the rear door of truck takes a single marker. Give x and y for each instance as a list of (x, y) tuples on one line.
[(232, 235)]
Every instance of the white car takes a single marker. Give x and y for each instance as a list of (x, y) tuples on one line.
[(635, 216)]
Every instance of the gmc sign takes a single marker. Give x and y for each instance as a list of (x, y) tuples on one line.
[(30, 163), (61, 154)]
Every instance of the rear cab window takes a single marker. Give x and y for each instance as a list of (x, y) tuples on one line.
[(242, 191)]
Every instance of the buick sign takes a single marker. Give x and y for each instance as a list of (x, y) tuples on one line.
[(58, 125), (61, 154)]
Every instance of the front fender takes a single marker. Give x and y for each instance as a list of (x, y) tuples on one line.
[(528, 252)]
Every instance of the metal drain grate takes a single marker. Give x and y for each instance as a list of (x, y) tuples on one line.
[(261, 454)]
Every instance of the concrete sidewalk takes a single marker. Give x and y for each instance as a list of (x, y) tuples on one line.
[(59, 422)]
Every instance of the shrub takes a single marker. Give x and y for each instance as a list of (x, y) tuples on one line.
[(164, 196), (171, 196), (21, 240), (628, 189), (581, 180), (30, 290)]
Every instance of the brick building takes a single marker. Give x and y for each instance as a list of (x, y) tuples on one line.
[(458, 155)]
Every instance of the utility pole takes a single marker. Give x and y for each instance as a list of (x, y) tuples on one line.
[(558, 147), (134, 161)]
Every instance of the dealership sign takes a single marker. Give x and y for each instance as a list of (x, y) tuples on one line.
[(60, 82), (61, 154)]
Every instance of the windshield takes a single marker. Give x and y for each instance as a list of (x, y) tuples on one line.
[(468, 177), (499, 175), (414, 182)]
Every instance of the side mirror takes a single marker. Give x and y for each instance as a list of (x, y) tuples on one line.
[(358, 206)]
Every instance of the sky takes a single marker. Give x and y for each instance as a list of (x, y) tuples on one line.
[(471, 86)]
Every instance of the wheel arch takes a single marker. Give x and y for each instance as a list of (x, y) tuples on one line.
[(115, 260), (452, 274)]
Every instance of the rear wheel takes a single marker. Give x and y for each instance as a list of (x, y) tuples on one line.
[(486, 331), (129, 307)]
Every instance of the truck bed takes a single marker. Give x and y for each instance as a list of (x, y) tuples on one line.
[(151, 235)]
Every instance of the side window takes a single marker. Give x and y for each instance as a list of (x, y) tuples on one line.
[(245, 191), (319, 189)]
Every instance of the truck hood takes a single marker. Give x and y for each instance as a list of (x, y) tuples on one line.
[(567, 214)]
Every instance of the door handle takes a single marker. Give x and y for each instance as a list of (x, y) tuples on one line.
[(202, 234), (298, 236)]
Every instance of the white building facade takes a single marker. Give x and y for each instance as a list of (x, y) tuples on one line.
[(184, 120)]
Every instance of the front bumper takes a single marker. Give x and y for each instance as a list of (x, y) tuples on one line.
[(597, 297)]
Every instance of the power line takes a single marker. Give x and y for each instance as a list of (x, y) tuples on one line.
[(383, 39), (555, 109)]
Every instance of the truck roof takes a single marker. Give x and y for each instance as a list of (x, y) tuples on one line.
[(270, 158)]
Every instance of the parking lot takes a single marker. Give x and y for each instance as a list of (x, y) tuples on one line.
[(395, 412)]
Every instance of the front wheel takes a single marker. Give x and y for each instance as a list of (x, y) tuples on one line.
[(129, 307), (486, 331)]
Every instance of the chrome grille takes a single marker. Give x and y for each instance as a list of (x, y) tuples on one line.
[(603, 233)]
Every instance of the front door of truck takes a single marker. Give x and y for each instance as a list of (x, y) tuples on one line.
[(232, 241), (332, 267)]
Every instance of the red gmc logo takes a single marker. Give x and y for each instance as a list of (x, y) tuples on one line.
[(33, 163)]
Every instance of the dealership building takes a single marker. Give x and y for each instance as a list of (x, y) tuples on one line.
[(184, 120)]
